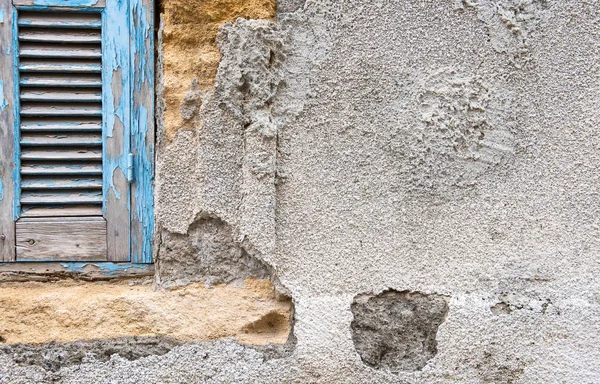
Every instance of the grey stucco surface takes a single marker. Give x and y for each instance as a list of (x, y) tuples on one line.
[(444, 147)]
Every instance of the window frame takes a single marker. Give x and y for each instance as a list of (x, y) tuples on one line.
[(137, 62)]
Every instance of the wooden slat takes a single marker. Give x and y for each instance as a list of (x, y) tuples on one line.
[(60, 198), (61, 124), (60, 35), (61, 183), (85, 4), (61, 109), (40, 139), (76, 95), (75, 210), (61, 239), (59, 20), (48, 169), (31, 65), (71, 154), (7, 129), (59, 51), (60, 80)]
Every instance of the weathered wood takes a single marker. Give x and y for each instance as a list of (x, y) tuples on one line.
[(48, 169), (61, 109), (63, 3), (70, 154), (60, 36), (61, 183), (61, 239), (60, 20), (57, 124), (76, 95), (61, 139), (117, 89), (142, 194), (60, 80), (48, 65), (75, 210), (59, 198), (49, 271), (7, 133), (60, 51)]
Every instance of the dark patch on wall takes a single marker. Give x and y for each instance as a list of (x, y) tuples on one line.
[(397, 330), (208, 253), (54, 356)]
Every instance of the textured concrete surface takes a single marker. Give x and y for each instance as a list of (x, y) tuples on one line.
[(446, 147)]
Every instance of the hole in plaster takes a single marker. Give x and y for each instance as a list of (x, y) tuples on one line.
[(397, 330)]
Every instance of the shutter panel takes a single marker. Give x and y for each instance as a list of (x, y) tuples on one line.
[(60, 114), (76, 140)]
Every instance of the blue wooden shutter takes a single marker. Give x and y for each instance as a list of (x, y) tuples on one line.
[(78, 192)]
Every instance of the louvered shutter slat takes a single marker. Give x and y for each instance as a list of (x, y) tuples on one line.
[(59, 20), (45, 169), (60, 63), (60, 80), (82, 95)]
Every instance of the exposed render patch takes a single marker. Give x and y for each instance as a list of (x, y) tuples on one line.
[(509, 23), (208, 253), (397, 330), (54, 356), (459, 134)]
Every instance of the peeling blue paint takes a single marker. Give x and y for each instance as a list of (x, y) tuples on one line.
[(1, 16), (1, 188), (65, 3), (116, 108), (106, 268), (110, 268), (143, 69), (3, 102), (16, 175)]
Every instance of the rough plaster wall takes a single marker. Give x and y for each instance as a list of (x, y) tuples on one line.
[(436, 146)]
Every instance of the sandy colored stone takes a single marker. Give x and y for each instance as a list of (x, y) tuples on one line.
[(68, 311), (190, 49)]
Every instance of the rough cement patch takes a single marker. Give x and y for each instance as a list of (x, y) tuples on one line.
[(509, 24), (67, 311), (208, 253), (54, 356), (458, 134), (397, 330), (190, 51), (247, 81)]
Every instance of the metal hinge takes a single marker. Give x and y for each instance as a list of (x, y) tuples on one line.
[(130, 168)]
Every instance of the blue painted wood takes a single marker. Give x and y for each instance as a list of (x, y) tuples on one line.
[(127, 74), (142, 32), (72, 4), (17, 131)]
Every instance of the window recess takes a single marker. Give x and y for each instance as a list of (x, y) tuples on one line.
[(76, 175)]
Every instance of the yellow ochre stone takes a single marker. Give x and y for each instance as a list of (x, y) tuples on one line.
[(66, 311), (190, 50)]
